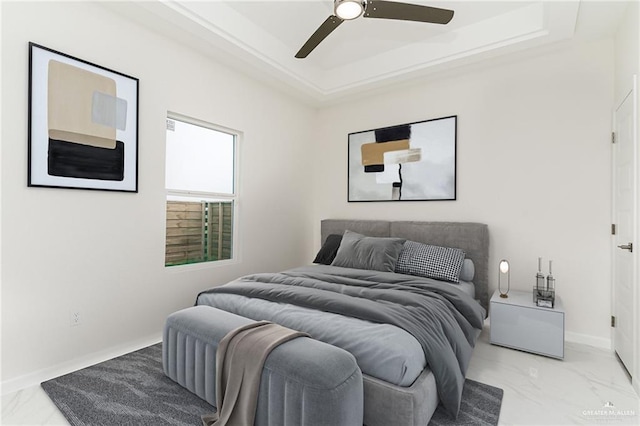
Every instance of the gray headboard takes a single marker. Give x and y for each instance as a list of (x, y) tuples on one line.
[(471, 237)]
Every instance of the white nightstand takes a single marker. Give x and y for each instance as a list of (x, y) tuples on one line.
[(516, 322)]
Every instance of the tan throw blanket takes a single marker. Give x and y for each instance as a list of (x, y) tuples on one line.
[(239, 360)]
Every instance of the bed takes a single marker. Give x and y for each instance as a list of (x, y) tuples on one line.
[(351, 302)]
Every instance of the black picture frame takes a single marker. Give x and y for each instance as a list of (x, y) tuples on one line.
[(82, 125), (407, 162)]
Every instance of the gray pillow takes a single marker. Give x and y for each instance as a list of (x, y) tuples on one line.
[(360, 252), (468, 270)]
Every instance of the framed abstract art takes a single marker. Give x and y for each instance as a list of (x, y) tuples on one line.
[(408, 162), (83, 124)]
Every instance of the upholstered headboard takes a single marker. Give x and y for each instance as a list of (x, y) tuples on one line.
[(471, 237)]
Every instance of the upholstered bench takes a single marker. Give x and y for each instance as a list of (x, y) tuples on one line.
[(304, 382)]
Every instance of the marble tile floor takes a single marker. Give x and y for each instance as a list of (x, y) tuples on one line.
[(546, 391), (588, 387)]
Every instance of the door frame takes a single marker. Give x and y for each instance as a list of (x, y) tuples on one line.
[(633, 93), (636, 289)]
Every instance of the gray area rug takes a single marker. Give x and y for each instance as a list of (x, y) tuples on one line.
[(129, 390), (133, 390), (480, 406)]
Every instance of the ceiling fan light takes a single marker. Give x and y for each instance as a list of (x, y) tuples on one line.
[(349, 9)]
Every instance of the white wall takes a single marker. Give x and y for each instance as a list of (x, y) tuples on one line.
[(103, 252), (627, 51), (627, 64), (533, 163)]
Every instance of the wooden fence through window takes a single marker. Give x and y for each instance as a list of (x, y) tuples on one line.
[(198, 232)]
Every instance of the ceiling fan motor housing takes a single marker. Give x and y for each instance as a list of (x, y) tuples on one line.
[(349, 9)]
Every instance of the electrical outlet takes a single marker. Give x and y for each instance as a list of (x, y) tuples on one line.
[(75, 318)]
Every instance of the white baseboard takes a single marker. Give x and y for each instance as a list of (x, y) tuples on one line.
[(37, 377), (586, 339)]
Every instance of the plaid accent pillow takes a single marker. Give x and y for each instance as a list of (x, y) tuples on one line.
[(423, 260)]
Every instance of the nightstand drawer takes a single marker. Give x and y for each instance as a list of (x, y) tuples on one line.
[(528, 328)]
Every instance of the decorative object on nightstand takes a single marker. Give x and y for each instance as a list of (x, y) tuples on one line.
[(519, 323), (504, 269), (539, 276), (544, 295)]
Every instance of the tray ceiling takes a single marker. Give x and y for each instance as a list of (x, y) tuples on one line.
[(262, 37)]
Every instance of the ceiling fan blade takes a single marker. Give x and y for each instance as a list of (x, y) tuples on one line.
[(321, 33), (407, 12)]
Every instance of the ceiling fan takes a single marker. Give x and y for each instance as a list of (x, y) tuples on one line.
[(346, 10)]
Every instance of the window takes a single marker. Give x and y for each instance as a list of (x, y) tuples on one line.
[(201, 196)]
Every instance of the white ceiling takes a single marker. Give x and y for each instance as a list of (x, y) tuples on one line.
[(262, 37)]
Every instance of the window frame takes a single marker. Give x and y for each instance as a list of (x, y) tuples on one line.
[(200, 195)]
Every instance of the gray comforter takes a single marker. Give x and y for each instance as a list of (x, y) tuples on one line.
[(438, 315)]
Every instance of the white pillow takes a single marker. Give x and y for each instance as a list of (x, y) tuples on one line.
[(468, 270)]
